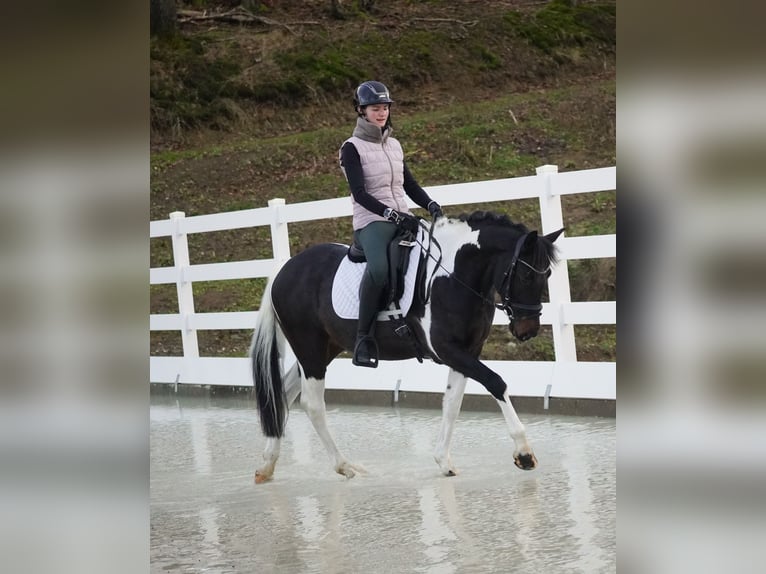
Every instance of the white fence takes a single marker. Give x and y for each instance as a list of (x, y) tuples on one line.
[(564, 377)]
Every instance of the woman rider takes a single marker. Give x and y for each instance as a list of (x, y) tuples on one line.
[(373, 163)]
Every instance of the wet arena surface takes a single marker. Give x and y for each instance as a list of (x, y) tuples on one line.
[(207, 515)]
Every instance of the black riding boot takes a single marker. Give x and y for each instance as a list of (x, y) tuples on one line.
[(366, 348)]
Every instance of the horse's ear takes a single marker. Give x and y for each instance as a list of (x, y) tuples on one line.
[(530, 241), (555, 235)]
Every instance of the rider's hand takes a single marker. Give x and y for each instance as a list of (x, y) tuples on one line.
[(404, 220), (435, 210), (409, 222)]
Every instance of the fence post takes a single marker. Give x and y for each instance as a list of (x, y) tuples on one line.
[(558, 283), (184, 287), (280, 240)]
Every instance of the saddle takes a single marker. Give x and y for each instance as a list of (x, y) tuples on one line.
[(402, 276), (407, 282), (398, 263)]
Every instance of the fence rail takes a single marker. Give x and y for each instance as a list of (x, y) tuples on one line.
[(564, 377)]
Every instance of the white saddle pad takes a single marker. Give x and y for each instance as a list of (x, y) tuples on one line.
[(348, 277)]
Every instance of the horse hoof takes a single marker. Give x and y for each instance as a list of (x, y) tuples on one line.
[(525, 461), (345, 469), (260, 477), (350, 470)]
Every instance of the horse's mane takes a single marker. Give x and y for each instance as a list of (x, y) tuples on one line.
[(545, 251), (482, 218)]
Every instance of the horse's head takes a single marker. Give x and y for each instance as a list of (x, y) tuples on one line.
[(522, 280)]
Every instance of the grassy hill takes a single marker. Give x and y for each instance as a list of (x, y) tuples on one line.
[(244, 112)]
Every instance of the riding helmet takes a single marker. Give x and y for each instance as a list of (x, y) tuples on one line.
[(371, 92)]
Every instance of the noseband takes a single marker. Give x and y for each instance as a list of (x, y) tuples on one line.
[(517, 310)]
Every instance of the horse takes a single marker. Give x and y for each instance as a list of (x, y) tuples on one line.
[(481, 256)]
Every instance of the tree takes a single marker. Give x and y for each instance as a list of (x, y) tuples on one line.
[(162, 18)]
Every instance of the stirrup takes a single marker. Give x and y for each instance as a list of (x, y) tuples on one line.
[(366, 353)]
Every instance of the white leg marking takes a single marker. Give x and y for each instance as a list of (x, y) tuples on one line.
[(523, 456), (271, 452), (453, 399), (312, 400), (270, 456)]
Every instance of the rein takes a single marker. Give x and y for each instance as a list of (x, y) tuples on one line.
[(450, 274), (432, 241), (505, 286)]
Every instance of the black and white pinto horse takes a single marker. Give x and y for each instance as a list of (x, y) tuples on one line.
[(481, 257)]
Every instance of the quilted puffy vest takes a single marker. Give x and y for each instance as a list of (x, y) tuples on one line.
[(383, 168)]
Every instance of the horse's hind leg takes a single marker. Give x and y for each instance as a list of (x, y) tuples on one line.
[(270, 456), (312, 400), (453, 399), (292, 384)]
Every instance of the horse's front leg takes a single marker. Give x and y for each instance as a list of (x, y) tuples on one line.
[(523, 457), (470, 366), (453, 399), (312, 400)]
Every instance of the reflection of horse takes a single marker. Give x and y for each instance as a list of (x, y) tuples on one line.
[(480, 255)]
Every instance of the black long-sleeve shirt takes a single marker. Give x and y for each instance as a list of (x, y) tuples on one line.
[(352, 165)]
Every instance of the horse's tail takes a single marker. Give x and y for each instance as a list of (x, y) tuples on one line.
[(267, 374)]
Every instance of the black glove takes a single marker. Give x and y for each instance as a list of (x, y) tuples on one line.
[(404, 220), (435, 210), (408, 223)]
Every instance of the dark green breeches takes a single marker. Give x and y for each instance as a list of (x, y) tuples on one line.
[(374, 240)]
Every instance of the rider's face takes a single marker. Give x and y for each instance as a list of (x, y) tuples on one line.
[(377, 114)]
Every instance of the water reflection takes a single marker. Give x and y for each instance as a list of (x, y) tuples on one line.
[(434, 534), (525, 513), (200, 446), (580, 499), (403, 517)]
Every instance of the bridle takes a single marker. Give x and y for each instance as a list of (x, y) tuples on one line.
[(517, 310)]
